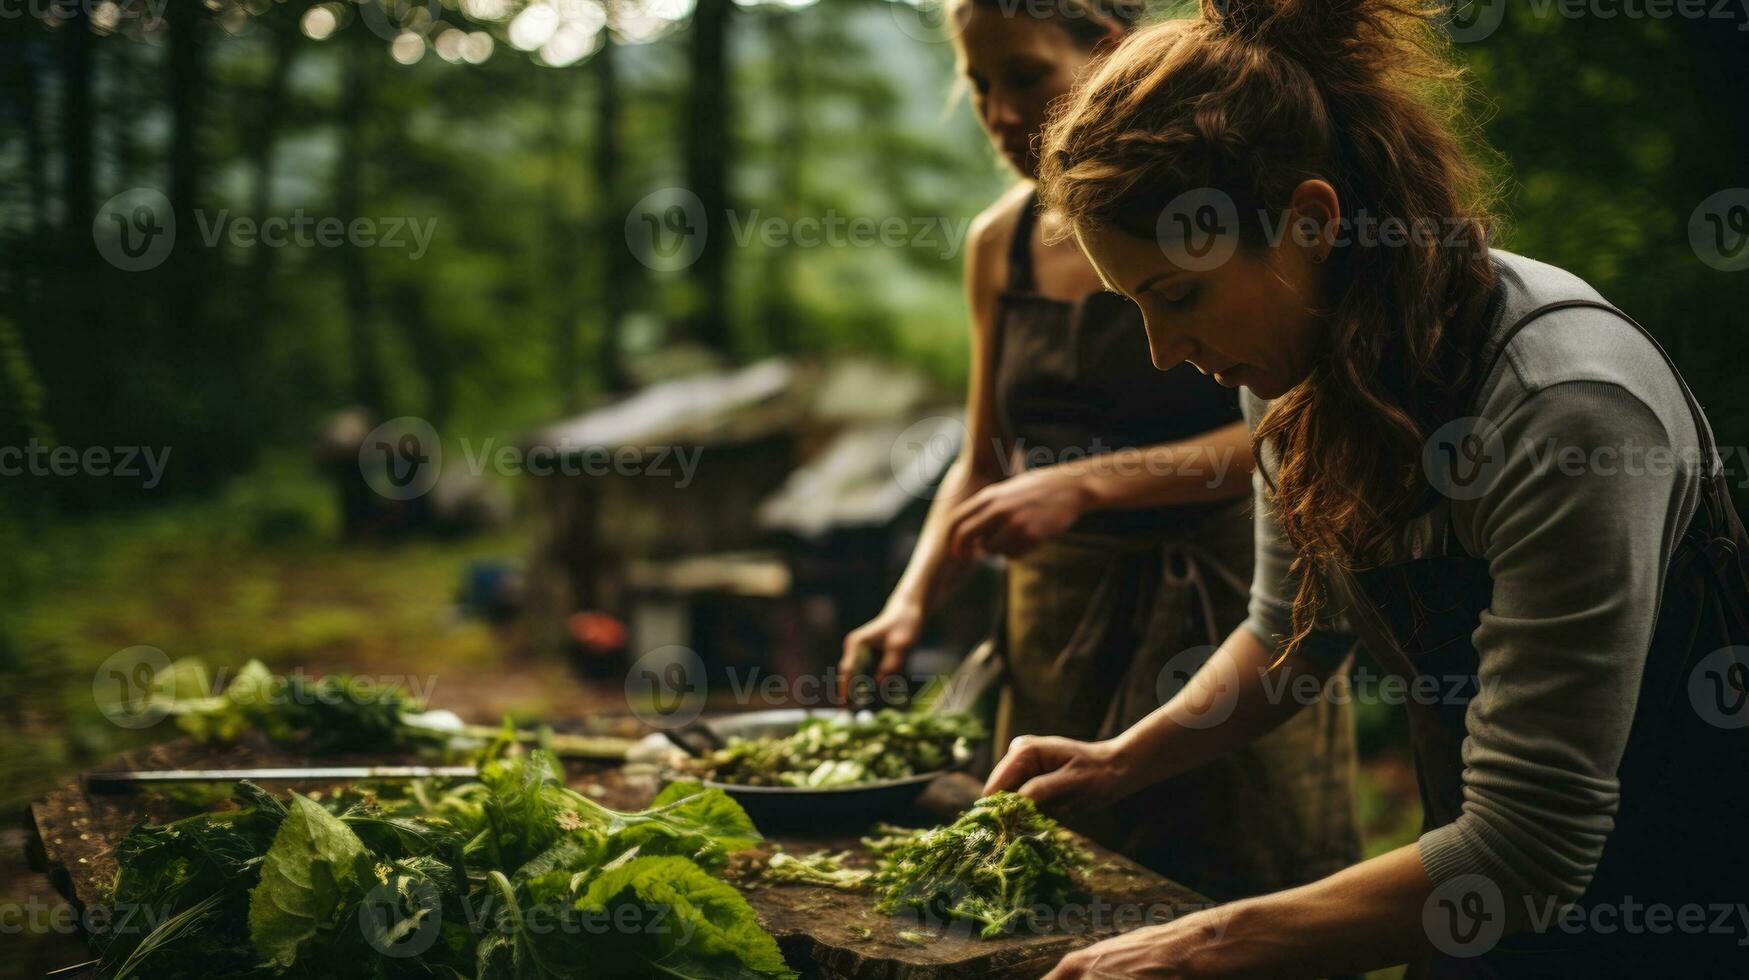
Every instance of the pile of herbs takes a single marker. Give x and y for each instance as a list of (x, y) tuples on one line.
[(333, 713), (513, 876), (845, 750), (996, 866)]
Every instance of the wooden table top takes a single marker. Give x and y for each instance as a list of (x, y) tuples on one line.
[(824, 933)]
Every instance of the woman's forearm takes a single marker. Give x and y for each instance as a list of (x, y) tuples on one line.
[(1213, 466), (1234, 698), (1361, 918)]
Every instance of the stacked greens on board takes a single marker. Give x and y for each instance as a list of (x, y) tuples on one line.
[(844, 750), (1000, 863), (513, 876), (333, 713)]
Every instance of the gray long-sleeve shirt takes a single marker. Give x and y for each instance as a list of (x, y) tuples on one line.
[(1598, 482)]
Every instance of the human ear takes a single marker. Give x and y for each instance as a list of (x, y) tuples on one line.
[(1316, 214)]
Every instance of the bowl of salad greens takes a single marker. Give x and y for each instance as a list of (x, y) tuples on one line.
[(817, 767)]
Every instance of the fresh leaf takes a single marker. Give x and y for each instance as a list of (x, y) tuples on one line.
[(692, 924), (313, 857)]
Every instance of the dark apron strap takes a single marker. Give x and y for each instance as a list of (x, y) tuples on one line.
[(1702, 431), (1020, 247)]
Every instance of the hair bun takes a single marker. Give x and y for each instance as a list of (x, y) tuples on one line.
[(1317, 31)]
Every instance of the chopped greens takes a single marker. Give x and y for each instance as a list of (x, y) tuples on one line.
[(997, 864), (822, 868), (844, 750), (514, 876)]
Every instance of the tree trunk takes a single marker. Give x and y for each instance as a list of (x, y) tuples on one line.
[(187, 96), (561, 272), (786, 51), (367, 373), (708, 156), (615, 269), (76, 124), (259, 147)]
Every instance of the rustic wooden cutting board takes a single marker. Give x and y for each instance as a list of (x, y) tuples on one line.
[(824, 933), (839, 936)]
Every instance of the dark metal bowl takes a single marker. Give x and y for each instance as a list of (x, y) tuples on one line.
[(804, 808)]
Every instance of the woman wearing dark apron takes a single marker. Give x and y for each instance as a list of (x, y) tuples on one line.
[(1117, 494), (1468, 458)]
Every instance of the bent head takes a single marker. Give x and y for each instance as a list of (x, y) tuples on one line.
[(1250, 319), (1016, 58), (1221, 170)]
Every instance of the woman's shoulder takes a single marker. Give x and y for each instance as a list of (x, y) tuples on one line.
[(1573, 345), (994, 226)]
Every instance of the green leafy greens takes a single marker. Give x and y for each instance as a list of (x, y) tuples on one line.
[(513, 876), (332, 713), (999, 863), (844, 750)]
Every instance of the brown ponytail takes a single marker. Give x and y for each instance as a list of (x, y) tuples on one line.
[(1251, 98)]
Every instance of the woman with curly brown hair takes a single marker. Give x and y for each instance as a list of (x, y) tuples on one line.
[(1444, 432), (1117, 496)]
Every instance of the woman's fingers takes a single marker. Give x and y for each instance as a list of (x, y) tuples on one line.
[(898, 643), (1044, 788), (1020, 764), (967, 517), (969, 534)]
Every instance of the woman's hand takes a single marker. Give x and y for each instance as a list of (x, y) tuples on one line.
[(1055, 770), (1013, 516), (1157, 952), (890, 635)]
